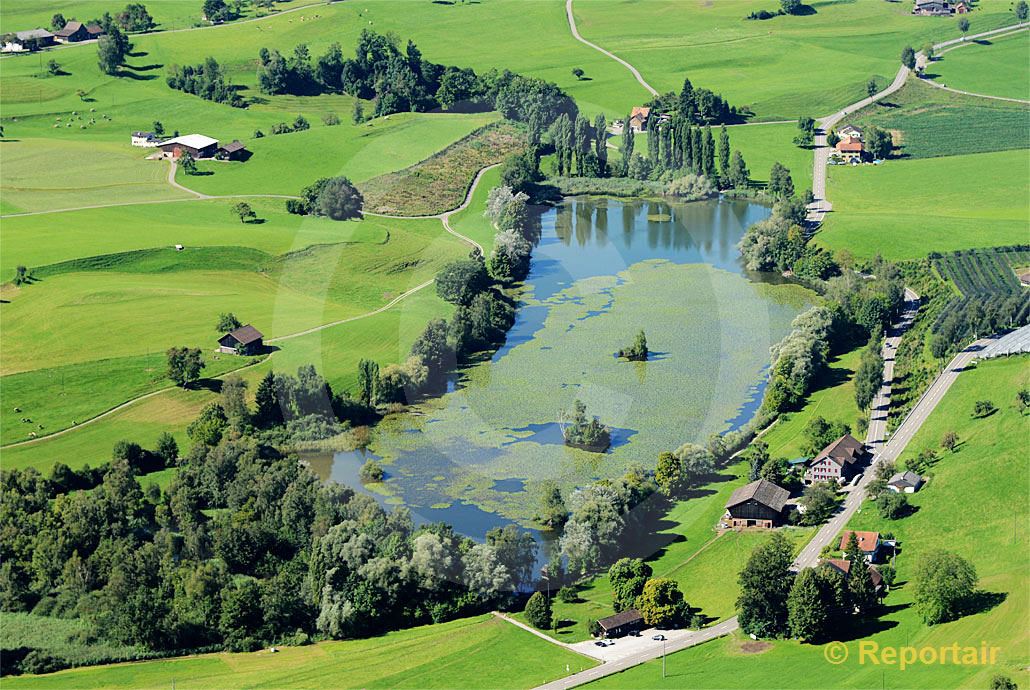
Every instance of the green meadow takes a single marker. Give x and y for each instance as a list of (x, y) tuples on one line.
[(905, 209), (975, 504), (60, 397), (321, 272), (168, 14), (484, 650), (782, 67), (927, 122), (287, 163), (995, 67), (833, 399)]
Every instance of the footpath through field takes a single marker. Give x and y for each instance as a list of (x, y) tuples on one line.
[(633, 70), (445, 220)]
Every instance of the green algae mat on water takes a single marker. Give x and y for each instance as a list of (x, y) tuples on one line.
[(490, 443)]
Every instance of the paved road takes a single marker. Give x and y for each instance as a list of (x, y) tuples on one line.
[(678, 640), (888, 451), (613, 56), (821, 206)]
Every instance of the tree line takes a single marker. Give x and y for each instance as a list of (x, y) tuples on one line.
[(245, 547), (401, 80), (206, 80)]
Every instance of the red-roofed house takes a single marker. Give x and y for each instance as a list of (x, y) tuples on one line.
[(851, 150), (868, 543), (638, 118)]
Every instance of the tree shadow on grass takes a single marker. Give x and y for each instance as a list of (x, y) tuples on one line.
[(132, 75), (144, 68), (860, 628), (212, 385), (983, 601)]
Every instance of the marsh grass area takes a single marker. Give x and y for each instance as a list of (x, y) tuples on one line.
[(603, 270)]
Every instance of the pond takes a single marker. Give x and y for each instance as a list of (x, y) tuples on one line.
[(480, 455)]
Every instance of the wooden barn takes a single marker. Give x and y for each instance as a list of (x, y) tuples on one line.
[(621, 623), (233, 151), (197, 145), (74, 31), (758, 504), (245, 340)]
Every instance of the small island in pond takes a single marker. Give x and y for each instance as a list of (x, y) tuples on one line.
[(637, 352), (585, 434)]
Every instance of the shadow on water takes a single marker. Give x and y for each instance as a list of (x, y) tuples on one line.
[(551, 434), (436, 466)]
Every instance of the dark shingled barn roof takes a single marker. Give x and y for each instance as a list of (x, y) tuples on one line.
[(764, 492), (245, 335), (233, 146), (620, 619)]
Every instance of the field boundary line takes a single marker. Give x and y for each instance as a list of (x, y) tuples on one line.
[(576, 35), (122, 405), (931, 82)]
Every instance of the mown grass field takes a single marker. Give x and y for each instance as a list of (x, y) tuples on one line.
[(783, 67), (336, 271), (905, 209), (287, 163), (833, 399), (975, 505), (91, 173), (995, 67), (40, 240), (168, 14), (484, 651), (919, 115), (64, 396)]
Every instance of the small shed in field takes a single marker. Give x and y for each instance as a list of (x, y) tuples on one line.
[(233, 151), (245, 340), (621, 623)]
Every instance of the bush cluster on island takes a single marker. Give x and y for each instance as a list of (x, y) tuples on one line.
[(637, 352), (586, 433)]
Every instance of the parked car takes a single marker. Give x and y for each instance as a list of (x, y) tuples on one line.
[(658, 638)]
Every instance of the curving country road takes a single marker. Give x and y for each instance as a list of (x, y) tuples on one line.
[(884, 451), (575, 34), (818, 209)]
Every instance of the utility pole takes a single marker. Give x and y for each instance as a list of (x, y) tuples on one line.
[(663, 656)]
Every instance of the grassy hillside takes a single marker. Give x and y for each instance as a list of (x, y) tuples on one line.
[(905, 209), (996, 67), (833, 399), (783, 67), (974, 505), (927, 122), (497, 653)]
